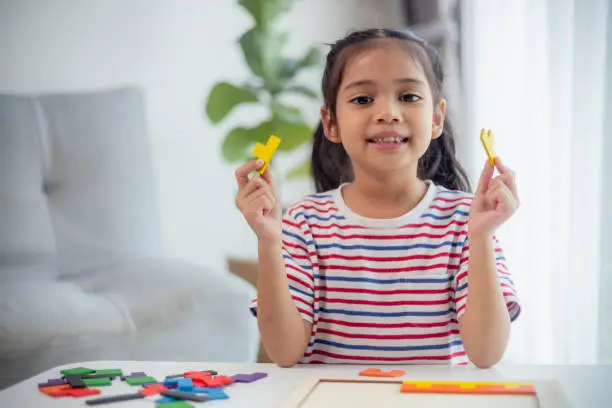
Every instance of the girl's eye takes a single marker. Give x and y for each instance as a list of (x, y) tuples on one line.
[(362, 100), (410, 98)]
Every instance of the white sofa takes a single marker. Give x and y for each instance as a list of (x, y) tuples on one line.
[(82, 275)]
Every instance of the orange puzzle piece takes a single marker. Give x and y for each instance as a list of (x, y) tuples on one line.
[(376, 372)]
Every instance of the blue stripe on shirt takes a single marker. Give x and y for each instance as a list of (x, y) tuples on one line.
[(389, 348), (384, 314), (382, 281)]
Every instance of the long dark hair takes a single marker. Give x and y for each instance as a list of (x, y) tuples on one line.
[(330, 164)]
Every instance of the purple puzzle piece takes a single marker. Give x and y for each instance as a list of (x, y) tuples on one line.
[(248, 378), (53, 382), (133, 375)]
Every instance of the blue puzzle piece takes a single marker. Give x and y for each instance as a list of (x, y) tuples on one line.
[(163, 400), (213, 393), (171, 382), (185, 384)]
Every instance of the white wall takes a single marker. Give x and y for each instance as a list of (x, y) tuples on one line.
[(176, 50)]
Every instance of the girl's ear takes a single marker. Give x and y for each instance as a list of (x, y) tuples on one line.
[(438, 119), (330, 128)]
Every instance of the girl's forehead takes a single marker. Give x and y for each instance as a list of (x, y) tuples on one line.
[(388, 59)]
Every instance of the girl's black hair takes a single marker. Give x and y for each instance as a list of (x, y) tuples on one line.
[(330, 164)]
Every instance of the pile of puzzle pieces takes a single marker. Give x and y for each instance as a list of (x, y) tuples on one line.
[(173, 392)]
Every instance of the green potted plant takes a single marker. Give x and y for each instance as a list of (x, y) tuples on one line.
[(274, 77)]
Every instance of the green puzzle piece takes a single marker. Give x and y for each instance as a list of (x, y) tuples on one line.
[(77, 371), (97, 382), (140, 380), (175, 404), (111, 372)]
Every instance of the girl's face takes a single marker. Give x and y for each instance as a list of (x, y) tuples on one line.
[(385, 112)]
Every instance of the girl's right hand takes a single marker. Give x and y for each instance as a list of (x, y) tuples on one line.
[(258, 202)]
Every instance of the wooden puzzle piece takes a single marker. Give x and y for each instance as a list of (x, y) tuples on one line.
[(217, 381), (184, 384), (56, 390), (140, 380), (114, 398), (376, 372), (488, 139), (133, 375), (77, 371), (152, 389), (199, 375), (97, 382), (265, 152), (248, 378), (109, 372), (188, 396), (52, 382), (172, 403), (213, 393), (460, 387)]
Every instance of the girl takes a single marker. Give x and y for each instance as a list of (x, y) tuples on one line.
[(375, 268)]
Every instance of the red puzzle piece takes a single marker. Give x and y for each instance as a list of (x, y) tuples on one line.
[(198, 375), (376, 372), (217, 381), (83, 392), (152, 389), (67, 391)]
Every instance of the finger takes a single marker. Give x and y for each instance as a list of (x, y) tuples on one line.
[(485, 178), (503, 198), (267, 176), (509, 181), (252, 185), (242, 172), (260, 202), (499, 165)]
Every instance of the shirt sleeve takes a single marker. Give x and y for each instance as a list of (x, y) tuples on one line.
[(461, 282), (297, 246)]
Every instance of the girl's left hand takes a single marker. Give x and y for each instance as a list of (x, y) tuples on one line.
[(495, 201)]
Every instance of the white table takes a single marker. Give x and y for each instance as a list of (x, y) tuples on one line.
[(584, 386)]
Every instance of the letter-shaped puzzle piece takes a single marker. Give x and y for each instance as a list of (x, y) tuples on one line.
[(488, 139), (114, 398), (213, 393), (185, 384), (133, 375), (189, 396), (265, 152), (52, 382), (218, 381), (77, 371), (152, 389), (140, 380), (376, 372), (248, 378)]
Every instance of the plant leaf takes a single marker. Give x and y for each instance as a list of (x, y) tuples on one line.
[(224, 97), (300, 171), (291, 66), (285, 113), (265, 12), (262, 53), (238, 142), (292, 134), (303, 90)]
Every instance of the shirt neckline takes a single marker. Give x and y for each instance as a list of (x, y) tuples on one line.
[(403, 219)]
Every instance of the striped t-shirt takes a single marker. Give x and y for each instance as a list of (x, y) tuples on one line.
[(383, 290)]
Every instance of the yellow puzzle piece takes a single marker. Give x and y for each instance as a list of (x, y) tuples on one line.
[(265, 152), (488, 138)]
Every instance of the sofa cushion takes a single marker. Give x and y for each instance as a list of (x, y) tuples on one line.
[(101, 192), (27, 244), (76, 183)]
